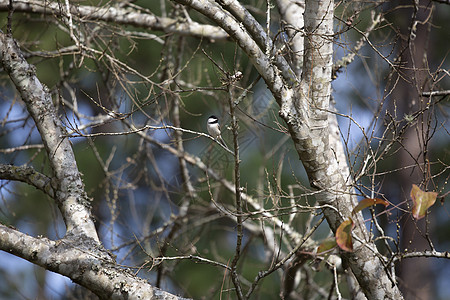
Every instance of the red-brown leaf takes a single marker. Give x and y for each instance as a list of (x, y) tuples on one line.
[(344, 235), (368, 202), (326, 246)]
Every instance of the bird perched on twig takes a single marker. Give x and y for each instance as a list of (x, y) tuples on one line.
[(213, 127)]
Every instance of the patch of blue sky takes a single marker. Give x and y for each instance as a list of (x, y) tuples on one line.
[(20, 270)]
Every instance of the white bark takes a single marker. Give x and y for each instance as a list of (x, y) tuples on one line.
[(86, 264), (290, 10), (79, 255), (70, 195), (119, 16), (305, 108), (302, 92)]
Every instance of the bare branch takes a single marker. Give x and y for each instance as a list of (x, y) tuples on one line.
[(30, 176), (70, 190), (91, 268), (119, 16)]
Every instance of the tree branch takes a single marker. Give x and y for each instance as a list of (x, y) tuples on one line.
[(70, 195), (279, 85), (30, 176), (305, 109), (119, 16), (92, 268)]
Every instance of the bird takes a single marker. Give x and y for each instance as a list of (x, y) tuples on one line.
[(213, 127)]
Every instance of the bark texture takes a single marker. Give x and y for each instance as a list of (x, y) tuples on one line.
[(304, 105), (79, 255)]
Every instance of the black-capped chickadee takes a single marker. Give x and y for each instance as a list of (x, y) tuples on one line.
[(214, 129)]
